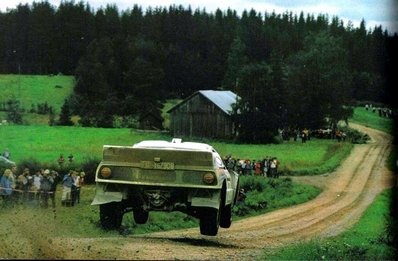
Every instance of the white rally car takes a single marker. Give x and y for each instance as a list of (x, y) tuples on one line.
[(158, 175)]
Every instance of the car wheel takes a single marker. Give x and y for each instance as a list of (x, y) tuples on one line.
[(140, 216), (209, 221), (226, 216), (225, 211), (111, 215)]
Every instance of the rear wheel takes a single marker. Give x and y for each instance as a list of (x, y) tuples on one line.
[(140, 216), (111, 215)]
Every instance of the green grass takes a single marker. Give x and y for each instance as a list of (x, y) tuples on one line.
[(45, 144), (36, 89), (268, 194), (367, 240), (313, 157), (372, 120)]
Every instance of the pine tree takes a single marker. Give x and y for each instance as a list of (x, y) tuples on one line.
[(65, 117)]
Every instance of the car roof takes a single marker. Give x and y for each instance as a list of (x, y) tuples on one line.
[(176, 144)]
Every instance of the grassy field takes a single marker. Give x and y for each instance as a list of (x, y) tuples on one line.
[(36, 89), (372, 119), (45, 144)]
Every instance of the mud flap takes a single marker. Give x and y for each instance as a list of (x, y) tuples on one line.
[(212, 201), (103, 197)]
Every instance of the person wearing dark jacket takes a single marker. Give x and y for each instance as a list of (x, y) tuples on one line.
[(45, 188)]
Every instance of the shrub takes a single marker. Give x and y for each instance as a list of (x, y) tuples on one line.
[(266, 194), (355, 136)]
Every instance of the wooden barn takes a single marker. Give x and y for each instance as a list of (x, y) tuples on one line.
[(205, 113)]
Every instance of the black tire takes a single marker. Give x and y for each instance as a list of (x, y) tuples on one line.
[(209, 221), (226, 216), (225, 211), (111, 215), (140, 216)]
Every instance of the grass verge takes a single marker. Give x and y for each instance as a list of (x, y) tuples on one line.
[(369, 239)]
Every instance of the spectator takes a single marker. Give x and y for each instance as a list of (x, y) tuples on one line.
[(55, 177), (5, 187), (37, 181), (29, 195), (35, 188), (265, 166), (13, 177), (45, 188), (248, 167), (78, 184), (273, 168), (70, 158), (22, 183), (241, 196), (276, 168), (67, 183), (6, 154), (258, 168), (61, 160)]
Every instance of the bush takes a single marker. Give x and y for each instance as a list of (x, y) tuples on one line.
[(266, 194), (355, 136)]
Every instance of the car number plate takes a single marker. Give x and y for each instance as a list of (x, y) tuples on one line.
[(157, 165)]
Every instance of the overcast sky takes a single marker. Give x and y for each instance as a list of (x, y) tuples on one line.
[(375, 12)]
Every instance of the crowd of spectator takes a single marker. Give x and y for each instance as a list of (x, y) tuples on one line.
[(38, 187), (267, 167), (382, 111)]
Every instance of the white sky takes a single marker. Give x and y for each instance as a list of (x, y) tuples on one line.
[(375, 12)]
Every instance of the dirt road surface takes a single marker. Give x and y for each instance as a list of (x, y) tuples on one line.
[(347, 192)]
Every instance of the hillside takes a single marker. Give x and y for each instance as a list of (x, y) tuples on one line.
[(36, 89)]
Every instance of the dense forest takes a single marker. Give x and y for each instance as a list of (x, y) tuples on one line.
[(290, 70)]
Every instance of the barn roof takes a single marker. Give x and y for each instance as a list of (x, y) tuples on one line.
[(222, 99)]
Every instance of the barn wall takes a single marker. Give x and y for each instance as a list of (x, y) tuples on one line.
[(200, 118)]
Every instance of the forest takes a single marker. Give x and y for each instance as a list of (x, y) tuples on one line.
[(290, 70)]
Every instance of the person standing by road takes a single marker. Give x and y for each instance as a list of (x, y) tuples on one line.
[(67, 183), (22, 183), (45, 188), (6, 154), (5, 187), (61, 160), (79, 181), (56, 179)]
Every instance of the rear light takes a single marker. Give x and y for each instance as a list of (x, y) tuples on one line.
[(106, 172), (209, 178)]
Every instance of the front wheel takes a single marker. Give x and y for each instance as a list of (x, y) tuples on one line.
[(111, 215), (226, 216), (209, 221)]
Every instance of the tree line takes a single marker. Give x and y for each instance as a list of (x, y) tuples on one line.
[(290, 70)]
